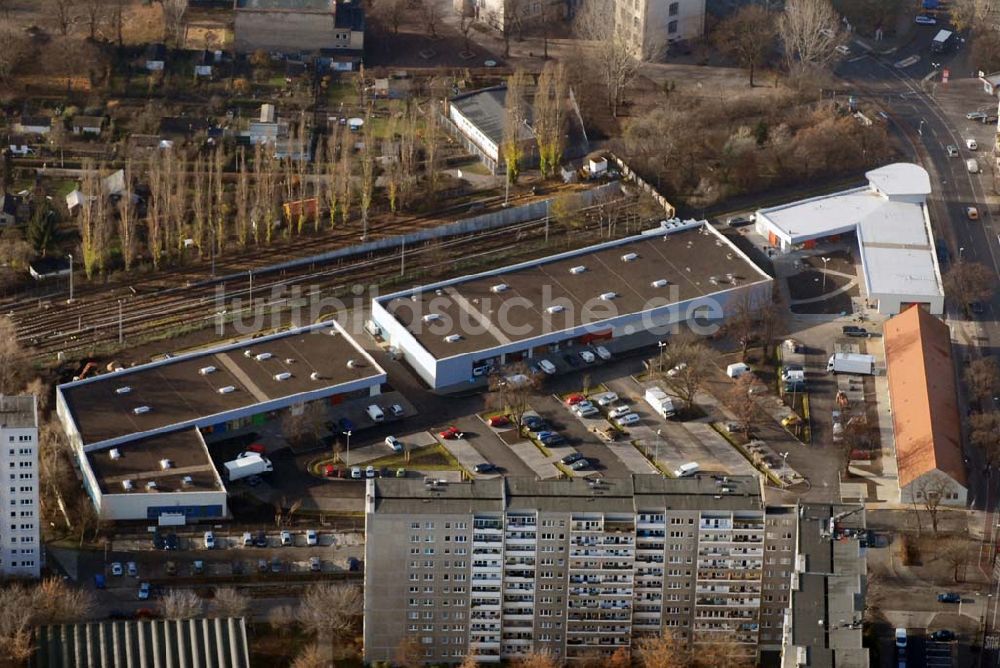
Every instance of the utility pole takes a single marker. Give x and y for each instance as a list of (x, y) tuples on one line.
[(70, 300), (121, 334), (250, 272), (402, 257)]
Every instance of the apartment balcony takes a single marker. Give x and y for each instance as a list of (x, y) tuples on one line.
[(728, 589), (490, 606), (715, 524), (731, 575), (741, 525), (727, 602), (648, 547), (521, 642), (514, 616)]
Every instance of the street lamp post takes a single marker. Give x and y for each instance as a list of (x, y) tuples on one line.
[(825, 260), (920, 130), (121, 334), (961, 252), (347, 457), (70, 300), (656, 457), (662, 345), (250, 272)]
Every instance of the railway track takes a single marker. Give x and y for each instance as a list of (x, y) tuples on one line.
[(81, 327)]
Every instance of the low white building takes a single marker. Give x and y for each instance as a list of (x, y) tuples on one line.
[(620, 294), (139, 434), (890, 218)]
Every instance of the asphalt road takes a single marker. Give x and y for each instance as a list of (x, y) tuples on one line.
[(929, 115)]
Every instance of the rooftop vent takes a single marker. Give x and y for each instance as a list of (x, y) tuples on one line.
[(555, 308), (284, 375), (431, 317), (127, 485), (499, 287), (608, 296), (354, 364), (166, 464), (453, 338), (314, 375), (439, 292), (659, 283), (260, 357), (139, 410), (227, 389), (151, 486), (205, 370), (187, 481), (123, 390), (289, 360), (247, 353), (628, 257), (115, 453), (578, 269)]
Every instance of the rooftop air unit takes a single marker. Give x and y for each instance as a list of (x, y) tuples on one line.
[(628, 257), (127, 485), (453, 338), (498, 288), (608, 296), (314, 375), (555, 308), (289, 360), (260, 357), (166, 464), (115, 453), (247, 353), (139, 410), (227, 389), (353, 364), (284, 375), (431, 317), (123, 390), (579, 269), (151, 486), (187, 481), (205, 370), (659, 283)]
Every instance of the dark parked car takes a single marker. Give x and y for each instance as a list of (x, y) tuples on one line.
[(571, 458), (484, 468), (854, 330), (353, 564), (260, 540), (276, 566), (533, 422), (552, 439), (739, 221), (159, 542), (173, 542), (345, 425), (944, 635), (572, 360), (950, 597)]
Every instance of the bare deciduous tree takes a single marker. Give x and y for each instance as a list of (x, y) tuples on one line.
[(305, 425), (156, 208), (740, 400), (408, 654), (972, 13), (127, 219), (15, 47), (511, 391), (62, 14), (229, 602), (810, 32), (931, 491), (747, 35), (688, 365), (430, 12), (549, 116), (390, 12), (309, 657), (984, 433), (954, 551), (173, 19), (432, 146), (331, 610), (969, 282), (611, 55), (242, 200), (663, 651), (537, 660), (982, 378), (514, 124), (367, 173), (181, 604)]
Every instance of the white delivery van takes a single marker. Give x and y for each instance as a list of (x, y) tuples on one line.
[(686, 470), (972, 165), (375, 413), (901, 637), (737, 369)]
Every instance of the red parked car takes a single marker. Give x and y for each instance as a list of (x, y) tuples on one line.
[(499, 421), (450, 433), (256, 447), (330, 471), (574, 399)]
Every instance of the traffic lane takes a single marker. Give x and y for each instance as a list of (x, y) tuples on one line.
[(489, 445), (602, 457)]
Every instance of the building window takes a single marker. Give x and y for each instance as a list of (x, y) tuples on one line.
[(672, 27), (674, 8)]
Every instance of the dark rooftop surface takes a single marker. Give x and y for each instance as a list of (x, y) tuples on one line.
[(350, 16), (139, 462), (176, 392), (689, 260), (626, 495), (485, 109), (18, 412), (288, 5)]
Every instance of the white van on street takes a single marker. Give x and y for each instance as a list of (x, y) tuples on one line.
[(375, 413)]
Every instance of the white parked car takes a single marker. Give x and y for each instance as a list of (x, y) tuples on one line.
[(209, 540), (132, 569), (971, 144), (286, 539), (602, 352), (547, 366), (369, 471), (619, 411), (116, 568), (394, 443), (247, 539), (677, 369), (584, 405), (312, 538), (606, 399), (396, 410), (843, 49), (356, 473), (586, 411), (630, 418), (587, 356)]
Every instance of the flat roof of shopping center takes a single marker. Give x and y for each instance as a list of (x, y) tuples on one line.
[(565, 291), (208, 386), (177, 461)]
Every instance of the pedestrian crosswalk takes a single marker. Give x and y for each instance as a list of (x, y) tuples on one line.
[(938, 654)]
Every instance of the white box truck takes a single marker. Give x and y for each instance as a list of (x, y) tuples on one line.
[(660, 402), (249, 464), (851, 363), (686, 470)]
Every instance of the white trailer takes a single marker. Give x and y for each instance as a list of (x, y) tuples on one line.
[(249, 464), (660, 402), (851, 363)]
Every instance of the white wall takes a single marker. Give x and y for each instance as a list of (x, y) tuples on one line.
[(133, 505), (472, 132), (928, 482), (690, 18), (20, 541)]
